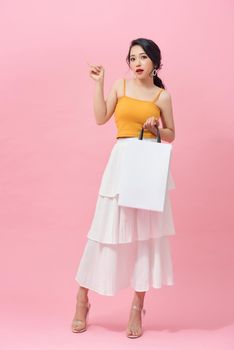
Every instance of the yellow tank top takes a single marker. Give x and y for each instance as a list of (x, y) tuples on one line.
[(131, 113)]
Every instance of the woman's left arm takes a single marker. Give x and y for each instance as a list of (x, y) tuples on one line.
[(167, 132)]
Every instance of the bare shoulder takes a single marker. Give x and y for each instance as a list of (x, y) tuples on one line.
[(119, 85), (164, 99), (118, 82), (115, 89), (165, 95)]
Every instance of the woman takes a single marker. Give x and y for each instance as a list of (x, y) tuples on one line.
[(128, 246)]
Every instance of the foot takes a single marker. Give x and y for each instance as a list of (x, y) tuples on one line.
[(134, 328), (79, 320)]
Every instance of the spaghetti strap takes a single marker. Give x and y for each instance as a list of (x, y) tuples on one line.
[(124, 87), (157, 96)]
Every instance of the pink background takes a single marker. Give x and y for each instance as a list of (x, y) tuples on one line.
[(52, 156)]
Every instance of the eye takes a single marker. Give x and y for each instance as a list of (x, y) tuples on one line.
[(143, 56)]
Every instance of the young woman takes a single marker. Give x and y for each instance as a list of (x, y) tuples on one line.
[(128, 246)]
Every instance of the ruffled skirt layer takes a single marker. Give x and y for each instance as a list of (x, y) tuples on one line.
[(126, 247)]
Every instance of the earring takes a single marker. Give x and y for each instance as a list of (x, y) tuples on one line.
[(154, 72)]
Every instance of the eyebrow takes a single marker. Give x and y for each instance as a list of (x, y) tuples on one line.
[(143, 53)]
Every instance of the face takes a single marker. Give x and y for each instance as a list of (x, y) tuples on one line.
[(140, 60)]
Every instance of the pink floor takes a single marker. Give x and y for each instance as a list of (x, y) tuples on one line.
[(38, 299), (179, 326)]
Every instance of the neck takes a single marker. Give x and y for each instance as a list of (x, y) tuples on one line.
[(147, 82)]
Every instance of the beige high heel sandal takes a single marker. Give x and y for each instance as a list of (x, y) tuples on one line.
[(144, 312), (76, 322)]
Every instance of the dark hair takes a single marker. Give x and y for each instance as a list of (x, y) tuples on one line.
[(154, 53)]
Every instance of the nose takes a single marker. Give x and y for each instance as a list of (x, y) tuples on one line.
[(138, 62)]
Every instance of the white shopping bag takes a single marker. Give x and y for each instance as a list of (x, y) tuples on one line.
[(144, 174)]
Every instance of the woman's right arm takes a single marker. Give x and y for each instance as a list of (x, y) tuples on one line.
[(103, 110)]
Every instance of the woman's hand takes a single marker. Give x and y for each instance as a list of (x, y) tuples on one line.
[(96, 72), (150, 124)]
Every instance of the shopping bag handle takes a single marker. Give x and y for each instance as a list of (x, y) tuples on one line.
[(142, 133)]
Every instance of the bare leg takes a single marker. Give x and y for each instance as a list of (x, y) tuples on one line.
[(134, 323), (82, 294), (81, 308)]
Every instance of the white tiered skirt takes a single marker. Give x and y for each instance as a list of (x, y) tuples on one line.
[(126, 247)]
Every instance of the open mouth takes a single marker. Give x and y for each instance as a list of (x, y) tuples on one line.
[(139, 70)]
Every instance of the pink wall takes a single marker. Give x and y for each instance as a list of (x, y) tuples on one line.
[(52, 153)]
